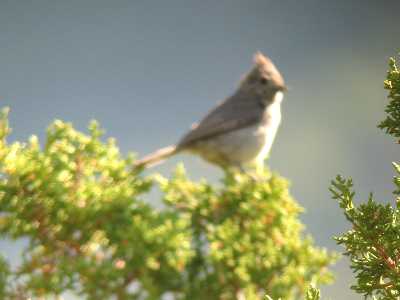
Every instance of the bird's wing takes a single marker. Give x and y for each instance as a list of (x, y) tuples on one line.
[(236, 112)]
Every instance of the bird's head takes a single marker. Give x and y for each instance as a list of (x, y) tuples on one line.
[(264, 78)]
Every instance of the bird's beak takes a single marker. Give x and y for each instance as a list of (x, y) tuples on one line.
[(284, 88)]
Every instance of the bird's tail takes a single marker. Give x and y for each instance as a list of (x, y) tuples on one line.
[(156, 157)]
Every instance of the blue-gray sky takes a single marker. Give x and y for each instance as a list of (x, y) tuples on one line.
[(148, 69)]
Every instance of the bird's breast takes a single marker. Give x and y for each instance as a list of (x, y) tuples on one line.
[(269, 126)]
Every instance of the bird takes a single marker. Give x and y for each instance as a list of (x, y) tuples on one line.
[(239, 131)]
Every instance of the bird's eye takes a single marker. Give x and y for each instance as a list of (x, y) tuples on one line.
[(263, 81)]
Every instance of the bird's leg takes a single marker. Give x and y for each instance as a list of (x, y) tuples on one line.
[(243, 170)]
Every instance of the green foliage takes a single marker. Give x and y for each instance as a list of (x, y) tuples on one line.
[(373, 243), (252, 235), (392, 122), (80, 205), (4, 274), (311, 294)]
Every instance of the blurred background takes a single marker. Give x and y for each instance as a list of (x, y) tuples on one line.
[(146, 70)]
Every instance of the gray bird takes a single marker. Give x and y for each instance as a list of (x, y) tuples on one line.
[(240, 130)]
